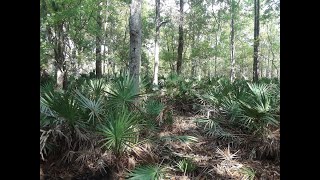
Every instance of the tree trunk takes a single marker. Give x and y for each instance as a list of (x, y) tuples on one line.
[(135, 42), (217, 39), (256, 41), (98, 46), (59, 56), (59, 78), (180, 46), (156, 48), (106, 49), (232, 59)]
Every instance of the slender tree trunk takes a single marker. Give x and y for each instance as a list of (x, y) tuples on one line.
[(232, 46), (256, 41), (216, 39), (59, 55), (180, 46), (105, 37), (59, 78), (98, 46), (135, 42), (156, 48)]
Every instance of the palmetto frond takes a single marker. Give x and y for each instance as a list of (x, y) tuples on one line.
[(96, 87), (186, 165), (153, 107), (226, 155), (63, 105), (256, 111), (120, 131), (94, 107), (47, 87), (147, 172), (122, 93)]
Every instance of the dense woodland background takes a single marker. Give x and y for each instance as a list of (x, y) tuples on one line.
[(144, 89)]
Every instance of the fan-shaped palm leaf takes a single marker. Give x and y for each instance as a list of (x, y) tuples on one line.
[(95, 107), (96, 87), (147, 172), (64, 106), (120, 131), (122, 93)]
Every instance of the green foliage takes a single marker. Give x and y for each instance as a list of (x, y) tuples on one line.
[(213, 128), (90, 106), (64, 106), (96, 87), (256, 111), (153, 107), (94, 108), (231, 108), (252, 106), (248, 172), (209, 123), (168, 120), (181, 92), (186, 165), (120, 131), (152, 110), (147, 172), (44, 120), (122, 94)]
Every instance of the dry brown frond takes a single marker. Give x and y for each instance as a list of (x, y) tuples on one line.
[(270, 145), (145, 154), (226, 155)]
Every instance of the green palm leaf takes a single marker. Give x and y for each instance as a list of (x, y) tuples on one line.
[(120, 131), (147, 172), (64, 106), (95, 107), (122, 93)]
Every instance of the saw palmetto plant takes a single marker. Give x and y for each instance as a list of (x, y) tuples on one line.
[(120, 131), (122, 93), (148, 172), (256, 112), (91, 107)]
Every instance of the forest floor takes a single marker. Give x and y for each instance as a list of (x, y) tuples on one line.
[(210, 165), (205, 154)]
